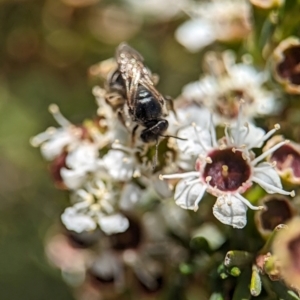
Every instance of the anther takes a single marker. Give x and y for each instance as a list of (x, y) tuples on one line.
[(161, 177), (277, 126), (53, 108), (208, 179), (292, 194), (224, 170), (208, 160)]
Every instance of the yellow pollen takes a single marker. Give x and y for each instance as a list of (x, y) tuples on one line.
[(53, 108), (224, 170), (161, 177), (292, 193), (208, 160), (208, 179), (136, 174), (277, 126)]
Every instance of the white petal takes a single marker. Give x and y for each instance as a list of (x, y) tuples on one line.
[(83, 157), (131, 194), (195, 34), (113, 224), (73, 179), (79, 222), (268, 176), (119, 165), (249, 135), (54, 146), (230, 211), (186, 196), (195, 143)]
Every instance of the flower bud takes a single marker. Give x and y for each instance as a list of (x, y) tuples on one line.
[(286, 159), (286, 249), (278, 210), (286, 58)]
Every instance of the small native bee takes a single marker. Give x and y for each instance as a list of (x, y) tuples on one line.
[(133, 84)]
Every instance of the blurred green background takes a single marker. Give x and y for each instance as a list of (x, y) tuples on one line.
[(46, 48)]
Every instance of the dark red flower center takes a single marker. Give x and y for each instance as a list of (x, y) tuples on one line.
[(278, 212), (129, 239), (290, 66), (287, 157), (228, 170)]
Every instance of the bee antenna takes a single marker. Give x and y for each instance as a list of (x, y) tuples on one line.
[(175, 137)]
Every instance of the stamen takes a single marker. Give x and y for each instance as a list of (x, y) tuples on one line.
[(271, 150), (192, 181), (212, 132), (265, 137), (269, 166), (137, 174), (208, 179), (245, 201), (228, 137), (200, 196), (208, 160), (39, 139), (198, 137), (180, 175), (246, 132), (238, 125), (59, 118), (224, 171), (272, 187)]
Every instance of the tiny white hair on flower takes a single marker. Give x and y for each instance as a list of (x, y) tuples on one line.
[(226, 169)]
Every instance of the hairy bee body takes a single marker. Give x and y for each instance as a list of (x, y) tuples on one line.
[(132, 84)]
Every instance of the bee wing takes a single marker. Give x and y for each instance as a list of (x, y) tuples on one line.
[(134, 72)]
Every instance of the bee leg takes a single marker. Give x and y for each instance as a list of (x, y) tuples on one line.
[(133, 134), (170, 105), (121, 117), (114, 100), (154, 163)]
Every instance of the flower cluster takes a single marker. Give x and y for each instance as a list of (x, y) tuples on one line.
[(138, 172)]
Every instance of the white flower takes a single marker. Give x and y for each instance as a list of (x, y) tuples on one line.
[(113, 224), (94, 206), (223, 20), (121, 163), (54, 140), (227, 84), (74, 220), (131, 195), (162, 10), (80, 162), (226, 169)]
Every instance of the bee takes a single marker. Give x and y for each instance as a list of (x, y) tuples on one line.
[(133, 84)]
